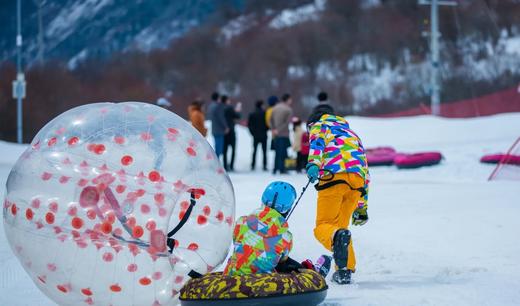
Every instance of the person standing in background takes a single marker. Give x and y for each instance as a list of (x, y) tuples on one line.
[(212, 105), (323, 99), (300, 144), (271, 102), (258, 129), (219, 127), (280, 120), (231, 114), (197, 117)]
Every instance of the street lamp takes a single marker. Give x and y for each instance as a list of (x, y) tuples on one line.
[(435, 87), (19, 83)]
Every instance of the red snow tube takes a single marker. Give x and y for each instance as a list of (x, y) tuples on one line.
[(381, 156), (501, 158), (410, 161)]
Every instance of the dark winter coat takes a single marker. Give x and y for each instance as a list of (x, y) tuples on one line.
[(211, 109), (256, 124), (231, 116), (218, 120)]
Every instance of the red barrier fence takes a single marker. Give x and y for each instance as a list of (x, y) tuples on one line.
[(506, 101)]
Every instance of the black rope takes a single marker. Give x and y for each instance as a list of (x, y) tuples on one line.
[(170, 242), (330, 182), (185, 217)]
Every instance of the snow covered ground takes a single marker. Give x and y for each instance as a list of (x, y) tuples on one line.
[(436, 236)]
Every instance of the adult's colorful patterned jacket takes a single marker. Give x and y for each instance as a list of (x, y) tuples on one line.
[(336, 148), (260, 239)]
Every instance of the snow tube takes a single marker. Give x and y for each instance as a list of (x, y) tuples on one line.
[(381, 156), (501, 158), (297, 288), (410, 161)]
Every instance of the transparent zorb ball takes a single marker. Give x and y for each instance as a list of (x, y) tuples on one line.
[(116, 204)]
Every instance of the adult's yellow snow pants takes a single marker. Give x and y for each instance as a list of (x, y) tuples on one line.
[(335, 207)]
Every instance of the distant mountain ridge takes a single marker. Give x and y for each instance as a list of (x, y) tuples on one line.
[(78, 29)]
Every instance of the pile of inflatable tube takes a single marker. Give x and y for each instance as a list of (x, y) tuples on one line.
[(297, 288), (380, 156), (412, 161), (387, 156), (501, 158)]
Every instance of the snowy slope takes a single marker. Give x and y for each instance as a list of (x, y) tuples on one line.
[(437, 236)]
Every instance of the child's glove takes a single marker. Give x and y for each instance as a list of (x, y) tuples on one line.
[(360, 215), (307, 264), (313, 172)]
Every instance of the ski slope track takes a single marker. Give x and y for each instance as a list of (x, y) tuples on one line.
[(440, 235)]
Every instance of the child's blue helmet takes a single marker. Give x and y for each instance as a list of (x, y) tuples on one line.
[(280, 196)]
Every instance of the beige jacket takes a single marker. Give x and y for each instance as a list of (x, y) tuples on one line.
[(297, 139), (280, 119)]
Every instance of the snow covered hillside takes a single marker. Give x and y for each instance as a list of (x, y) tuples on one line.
[(436, 236)]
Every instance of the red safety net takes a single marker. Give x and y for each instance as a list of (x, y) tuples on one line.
[(505, 101), (509, 166)]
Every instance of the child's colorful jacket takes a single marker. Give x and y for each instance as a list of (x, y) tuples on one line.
[(260, 239), (336, 148)]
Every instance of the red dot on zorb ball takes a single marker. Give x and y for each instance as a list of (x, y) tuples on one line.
[(145, 281), (108, 257), (151, 225), (193, 246), (131, 221), (14, 209), (159, 198), (49, 218), (145, 209), (126, 160), (29, 214), (86, 291), (157, 275), (132, 268), (146, 136), (52, 141), (201, 220), (178, 279), (119, 140), (77, 222), (137, 232), (162, 212), (91, 214), (115, 288), (62, 288), (99, 149), (154, 176), (106, 228), (73, 140), (191, 151)]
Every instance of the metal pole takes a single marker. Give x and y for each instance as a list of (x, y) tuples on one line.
[(434, 36), (19, 134), (40, 32), (297, 201)]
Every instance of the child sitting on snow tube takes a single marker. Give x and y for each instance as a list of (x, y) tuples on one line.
[(260, 272), (262, 240)]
